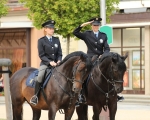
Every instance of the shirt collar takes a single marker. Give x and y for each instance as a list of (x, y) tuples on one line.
[(96, 32), (48, 37)]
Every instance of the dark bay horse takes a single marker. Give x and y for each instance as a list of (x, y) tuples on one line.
[(105, 82), (61, 90)]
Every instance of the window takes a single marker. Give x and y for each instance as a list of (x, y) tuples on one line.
[(131, 40)]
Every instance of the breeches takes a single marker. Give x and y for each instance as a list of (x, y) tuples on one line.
[(41, 73)]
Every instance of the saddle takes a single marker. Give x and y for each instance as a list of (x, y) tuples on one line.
[(31, 80)]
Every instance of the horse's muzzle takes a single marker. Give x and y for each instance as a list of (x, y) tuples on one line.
[(76, 90), (118, 88)]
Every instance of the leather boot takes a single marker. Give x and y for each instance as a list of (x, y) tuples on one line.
[(34, 99), (120, 98)]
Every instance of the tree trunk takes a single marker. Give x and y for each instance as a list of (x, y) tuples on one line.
[(68, 44)]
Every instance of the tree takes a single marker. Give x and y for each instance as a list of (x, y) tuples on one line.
[(3, 8), (68, 14)]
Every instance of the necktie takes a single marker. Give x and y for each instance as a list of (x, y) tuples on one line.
[(50, 39), (96, 35)]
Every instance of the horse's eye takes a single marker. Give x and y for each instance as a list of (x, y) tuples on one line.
[(79, 70)]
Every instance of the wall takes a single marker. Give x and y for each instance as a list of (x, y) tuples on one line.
[(35, 35), (147, 60)]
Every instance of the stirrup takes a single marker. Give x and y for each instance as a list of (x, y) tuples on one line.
[(120, 99), (34, 100)]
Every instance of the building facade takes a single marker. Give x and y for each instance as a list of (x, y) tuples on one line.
[(131, 33)]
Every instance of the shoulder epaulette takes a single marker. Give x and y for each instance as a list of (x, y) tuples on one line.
[(56, 37), (42, 37), (103, 33)]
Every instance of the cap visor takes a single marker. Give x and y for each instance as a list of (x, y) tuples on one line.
[(49, 26), (96, 24)]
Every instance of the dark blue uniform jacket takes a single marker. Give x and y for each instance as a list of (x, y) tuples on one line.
[(49, 51), (96, 46)]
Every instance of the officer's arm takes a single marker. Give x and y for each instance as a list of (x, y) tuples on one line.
[(106, 46), (79, 34), (42, 53)]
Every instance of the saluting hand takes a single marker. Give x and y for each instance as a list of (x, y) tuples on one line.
[(86, 23), (52, 63)]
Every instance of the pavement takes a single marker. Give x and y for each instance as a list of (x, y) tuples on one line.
[(125, 111)]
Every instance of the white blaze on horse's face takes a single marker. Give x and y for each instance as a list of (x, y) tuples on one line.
[(79, 72)]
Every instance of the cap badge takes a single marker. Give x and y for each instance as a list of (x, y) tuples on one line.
[(96, 18), (52, 22), (101, 40)]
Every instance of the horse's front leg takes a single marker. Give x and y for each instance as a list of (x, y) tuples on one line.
[(112, 110), (82, 112), (52, 111), (69, 112), (96, 110), (36, 113)]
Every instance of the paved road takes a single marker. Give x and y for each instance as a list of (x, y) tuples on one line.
[(126, 111)]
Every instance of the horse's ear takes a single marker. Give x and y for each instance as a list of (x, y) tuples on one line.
[(94, 58), (82, 57), (124, 57)]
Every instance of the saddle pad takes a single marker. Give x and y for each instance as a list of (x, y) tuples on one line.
[(30, 82), (32, 79)]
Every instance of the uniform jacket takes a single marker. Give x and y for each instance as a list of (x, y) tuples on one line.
[(49, 51), (96, 46)]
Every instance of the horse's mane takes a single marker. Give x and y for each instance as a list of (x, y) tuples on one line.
[(109, 54), (77, 53), (114, 55)]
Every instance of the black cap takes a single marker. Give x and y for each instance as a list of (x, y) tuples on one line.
[(96, 21), (49, 24)]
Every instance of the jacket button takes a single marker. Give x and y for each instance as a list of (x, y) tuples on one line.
[(95, 42), (52, 47), (52, 54), (96, 49)]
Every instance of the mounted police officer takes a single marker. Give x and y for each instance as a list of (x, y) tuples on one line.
[(96, 42), (50, 53)]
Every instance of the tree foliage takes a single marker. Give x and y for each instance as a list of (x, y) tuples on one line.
[(3, 8), (68, 14)]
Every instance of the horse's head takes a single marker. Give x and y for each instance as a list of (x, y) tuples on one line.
[(112, 68), (117, 71), (81, 70), (76, 66)]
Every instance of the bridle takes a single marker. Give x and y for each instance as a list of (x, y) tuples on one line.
[(109, 81), (70, 93)]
